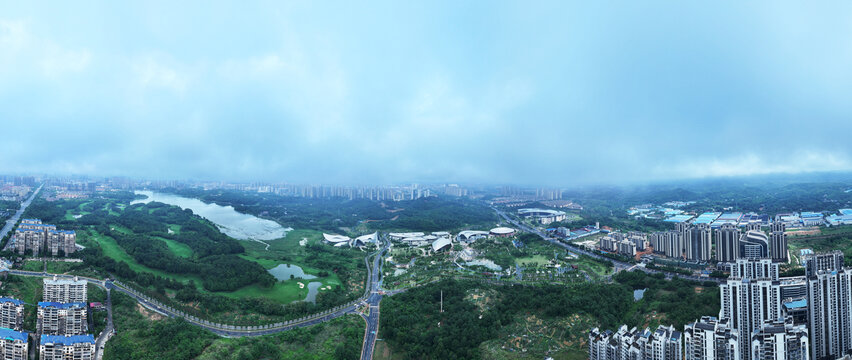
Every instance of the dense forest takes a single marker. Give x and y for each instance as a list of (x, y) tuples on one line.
[(214, 258), (425, 214), (410, 321)]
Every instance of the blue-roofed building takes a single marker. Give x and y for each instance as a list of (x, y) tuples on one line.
[(707, 218), (11, 313), (13, 344), (842, 219), (57, 347), (845, 211), (679, 218), (811, 218), (56, 318)]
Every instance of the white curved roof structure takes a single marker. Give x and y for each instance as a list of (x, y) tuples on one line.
[(467, 234), (334, 238), (539, 212), (364, 239), (405, 235), (368, 238), (442, 244), (502, 231)]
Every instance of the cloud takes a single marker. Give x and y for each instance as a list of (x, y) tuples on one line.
[(538, 94), (801, 161), (154, 73)]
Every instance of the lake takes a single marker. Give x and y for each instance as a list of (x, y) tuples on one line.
[(313, 290), (232, 223), (282, 272)]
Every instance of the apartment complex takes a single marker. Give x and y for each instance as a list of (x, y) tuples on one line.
[(11, 313), (623, 247), (37, 238)]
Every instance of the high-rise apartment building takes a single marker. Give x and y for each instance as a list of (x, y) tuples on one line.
[(710, 339), (64, 290), (778, 242), (11, 313), (780, 340), (750, 296), (727, 243), (699, 243), (58, 347), (13, 344), (62, 318), (829, 305), (754, 244)]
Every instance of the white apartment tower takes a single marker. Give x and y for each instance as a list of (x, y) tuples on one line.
[(710, 339), (750, 296), (65, 290)]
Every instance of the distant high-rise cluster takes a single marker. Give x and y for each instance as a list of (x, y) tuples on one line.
[(32, 235)]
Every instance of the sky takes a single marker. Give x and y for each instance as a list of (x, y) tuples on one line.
[(525, 92)]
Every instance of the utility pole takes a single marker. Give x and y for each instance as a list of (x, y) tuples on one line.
[(442, 301)]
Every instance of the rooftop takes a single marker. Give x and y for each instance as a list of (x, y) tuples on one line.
[(10, 334), (60, 305), (11, 300), (67, 340)]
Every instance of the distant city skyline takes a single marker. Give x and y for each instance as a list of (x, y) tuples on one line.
[(547, 93)]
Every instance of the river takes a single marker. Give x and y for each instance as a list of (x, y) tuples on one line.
[(231, 222)]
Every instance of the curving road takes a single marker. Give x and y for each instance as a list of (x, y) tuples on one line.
[(371, 298)]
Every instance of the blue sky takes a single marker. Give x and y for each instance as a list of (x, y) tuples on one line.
[(480, 91)]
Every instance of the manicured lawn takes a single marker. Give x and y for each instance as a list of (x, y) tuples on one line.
[(178, 248), (538, 260), (30, 265), (283, 291), (114, 251), (594, 267)]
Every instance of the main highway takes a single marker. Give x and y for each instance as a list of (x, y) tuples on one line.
[(14, 219), (373, 301), (619, 265)]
